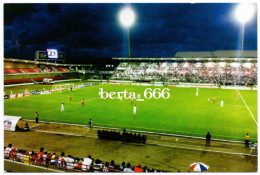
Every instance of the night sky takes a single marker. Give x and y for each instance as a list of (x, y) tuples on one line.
[(85, 31)]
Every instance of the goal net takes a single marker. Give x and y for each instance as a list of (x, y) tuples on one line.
[(61, 87)]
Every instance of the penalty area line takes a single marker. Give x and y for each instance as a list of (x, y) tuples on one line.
[(247, 107)]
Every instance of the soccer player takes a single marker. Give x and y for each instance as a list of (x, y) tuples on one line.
[(213, 100), (70, 97), (222, 103), (62, 107), (132, 100), (235, 95), (135, 109), (82, 103)]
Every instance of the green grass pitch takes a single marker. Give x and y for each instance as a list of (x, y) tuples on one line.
[(183, 113)]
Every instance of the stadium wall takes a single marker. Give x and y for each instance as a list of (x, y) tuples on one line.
[(11, 166)]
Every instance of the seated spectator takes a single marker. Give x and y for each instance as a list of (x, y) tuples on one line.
[(97, 166), (128, 168), (111, 166), (26, 127), (69, 162), (53, 157), (105, 168), (61, 160), (86, 163), (27, 158), (138, 168), (40, 155), (122, 166), (7, 151)]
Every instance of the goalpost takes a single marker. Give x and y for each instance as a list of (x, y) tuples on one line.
[(61, 87)]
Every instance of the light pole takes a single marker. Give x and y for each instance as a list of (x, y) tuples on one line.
[(244, 12), (127, 18)]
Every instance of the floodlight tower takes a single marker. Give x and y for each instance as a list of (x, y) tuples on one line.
[(244, 12), (127, 18)]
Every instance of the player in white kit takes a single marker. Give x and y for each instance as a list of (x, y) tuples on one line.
[(134, 109), (62, 107), (222, 103)]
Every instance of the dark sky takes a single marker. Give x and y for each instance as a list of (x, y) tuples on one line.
[(93, 30)]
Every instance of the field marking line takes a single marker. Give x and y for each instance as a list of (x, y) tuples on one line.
[(190, 148), (62, 133), (147, 132), (34, 166), (247, 107), (197, 149)]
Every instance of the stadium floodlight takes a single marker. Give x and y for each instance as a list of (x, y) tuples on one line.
[(244, 12), (127, 16), (127, 19)]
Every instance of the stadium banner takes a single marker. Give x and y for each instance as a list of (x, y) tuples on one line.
[(158, 83), (19, 95), (35, 92), (114, 83), (146, 84), (45, 92), (12, 96), (95, 83), (6, 96), (104, 82), (171, 85), (10, 122), (137, 84), (26, 94)]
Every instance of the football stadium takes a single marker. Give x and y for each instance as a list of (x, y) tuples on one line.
[(191, 112)]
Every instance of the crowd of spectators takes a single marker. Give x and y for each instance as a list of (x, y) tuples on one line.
[(204, 72), (87, 164), (125, 137)]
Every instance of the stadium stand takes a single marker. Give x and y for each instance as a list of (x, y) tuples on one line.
[(201, 72), (12, 70), (25, 70), (69, 163)]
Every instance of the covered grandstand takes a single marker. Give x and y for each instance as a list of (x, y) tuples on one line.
[(219, 67)]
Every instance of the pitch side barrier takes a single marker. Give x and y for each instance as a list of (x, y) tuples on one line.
[(47, 162), (49, 91)]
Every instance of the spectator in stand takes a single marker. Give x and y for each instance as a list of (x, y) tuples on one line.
[(27, 158), (86, 163), (111, 166), (7, 151), (53, 157), (122, 166), (98, 166), (69, 162), (40, 155), (138, 168), (44, 157), (61, 160), (128, 168), (105, 168)]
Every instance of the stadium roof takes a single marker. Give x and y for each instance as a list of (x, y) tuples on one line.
[(217, 54)]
